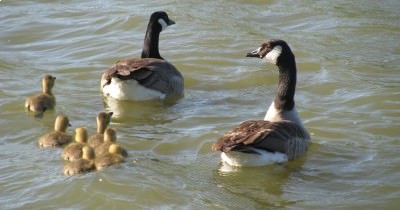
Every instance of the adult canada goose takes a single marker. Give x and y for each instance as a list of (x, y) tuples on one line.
[(85, 164), (58, 137), (42, 101), (281, 136), (146, 78), (73, 151), (103, 119), (116, 154)]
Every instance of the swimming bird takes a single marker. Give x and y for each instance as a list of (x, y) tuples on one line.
[(73, 151), (149, 77), (58, 137), (41, 102), (83, 165), (281, 136), (116, 154), (110, 137), (103, 120)]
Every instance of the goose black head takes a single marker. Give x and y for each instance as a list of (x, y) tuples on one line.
[(161, 19), (273, 51)]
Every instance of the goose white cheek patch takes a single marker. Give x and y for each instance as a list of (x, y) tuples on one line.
[(163, 24), (257, 51), (272, 56)]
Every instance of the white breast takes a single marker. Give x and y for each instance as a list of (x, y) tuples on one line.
[(130, 90)]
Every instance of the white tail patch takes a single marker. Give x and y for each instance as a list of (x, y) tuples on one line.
[(163, 24), (272, 56), (264, 158), (130, 90)]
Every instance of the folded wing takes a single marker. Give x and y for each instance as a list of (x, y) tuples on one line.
[(283, 136), (155, 74)]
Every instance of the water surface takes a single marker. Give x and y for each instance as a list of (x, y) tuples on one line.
[(348, 57)]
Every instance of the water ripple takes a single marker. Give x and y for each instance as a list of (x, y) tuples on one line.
[(348, 90)]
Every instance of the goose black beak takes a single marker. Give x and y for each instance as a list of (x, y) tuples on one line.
[(171, 22), (253, 53)]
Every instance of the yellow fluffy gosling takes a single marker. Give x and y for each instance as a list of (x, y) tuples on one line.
[(58, 137), (73, 151), (86, 164), (103, 120), (41, 102), (114, 155)]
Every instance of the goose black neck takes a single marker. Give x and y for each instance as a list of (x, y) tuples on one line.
[(284, 98), (150, 46)]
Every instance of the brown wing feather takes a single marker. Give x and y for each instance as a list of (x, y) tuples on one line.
[(260, 134), (128, 69)]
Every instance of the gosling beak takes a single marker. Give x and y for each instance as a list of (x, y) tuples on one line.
[(254, 53), (110, 114)]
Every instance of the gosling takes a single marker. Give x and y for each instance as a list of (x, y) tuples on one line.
[(110, 137), (41, 102), (114, 155), (73, 151), (103, 120), (58, 137), (86, 164)]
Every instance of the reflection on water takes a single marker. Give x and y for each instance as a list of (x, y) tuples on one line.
[(137, 111), (245, 182), (348, 98)]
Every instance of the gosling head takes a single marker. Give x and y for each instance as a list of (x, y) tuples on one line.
[(116, 149), (110, 135), (87, 153), (81, 135), (103, 120), (48, 83), (273, 51), (61, 123)]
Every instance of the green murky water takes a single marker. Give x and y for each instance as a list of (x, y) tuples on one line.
[(348, 96)]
